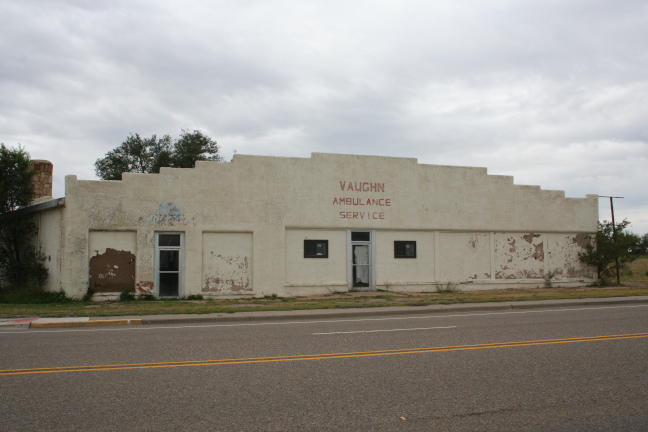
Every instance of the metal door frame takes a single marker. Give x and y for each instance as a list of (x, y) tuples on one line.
[(180, 250), (372, 259)]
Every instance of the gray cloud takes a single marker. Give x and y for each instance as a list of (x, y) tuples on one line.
[(552, 92)]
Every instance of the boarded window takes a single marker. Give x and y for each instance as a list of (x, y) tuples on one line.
[(112, 261)]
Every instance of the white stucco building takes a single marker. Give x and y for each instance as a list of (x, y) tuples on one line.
[(296, 226)]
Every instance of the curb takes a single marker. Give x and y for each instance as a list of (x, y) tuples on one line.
[(382, 311), (315, 314), (63, 322)]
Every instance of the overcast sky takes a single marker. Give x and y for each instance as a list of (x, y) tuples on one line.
[(552, 92)]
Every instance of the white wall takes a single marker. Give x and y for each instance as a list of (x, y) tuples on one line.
[(469, 226)]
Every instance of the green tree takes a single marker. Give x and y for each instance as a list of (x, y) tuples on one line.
[(192, 147), (148, 155), (612, 250), (642, 246), (21, 266), (137, 155)]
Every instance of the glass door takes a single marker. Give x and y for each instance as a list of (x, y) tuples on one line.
[(169, 264), (361, 260)]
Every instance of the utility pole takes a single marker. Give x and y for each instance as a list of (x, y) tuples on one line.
[(614, 234)]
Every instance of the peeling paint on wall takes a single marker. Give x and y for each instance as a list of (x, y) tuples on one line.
[(144, 287), (227, 263), (583, 240), (563, 256), (112, 271), (230, 275), (519, 256)]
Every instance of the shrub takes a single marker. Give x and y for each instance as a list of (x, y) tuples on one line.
[(127, 296), (88, 295)]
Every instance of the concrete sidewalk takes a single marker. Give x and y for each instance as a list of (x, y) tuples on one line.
[(312, 314)]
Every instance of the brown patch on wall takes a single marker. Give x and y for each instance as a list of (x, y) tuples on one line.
[(538, 252), (502, 274), (112, 271), (582, 272), (582, 240), (529, 237), (532, 274), (144, 287)]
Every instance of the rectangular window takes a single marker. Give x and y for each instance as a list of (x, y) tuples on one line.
[(404, 249), (361, 236), (315, 248)]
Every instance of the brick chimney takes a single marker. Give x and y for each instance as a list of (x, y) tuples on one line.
[(42, 180)]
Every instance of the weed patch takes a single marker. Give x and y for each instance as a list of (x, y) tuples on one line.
[(32, 297), (126, 296), (447, 288)]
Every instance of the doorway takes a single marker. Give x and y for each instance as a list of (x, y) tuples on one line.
[(360, 255), (169, 248)]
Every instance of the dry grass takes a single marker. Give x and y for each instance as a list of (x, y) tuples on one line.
[(637, 271)]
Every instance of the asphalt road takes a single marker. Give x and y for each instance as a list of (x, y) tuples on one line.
[(568, 369)]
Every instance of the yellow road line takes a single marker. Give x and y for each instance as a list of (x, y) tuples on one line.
[(220, 362)]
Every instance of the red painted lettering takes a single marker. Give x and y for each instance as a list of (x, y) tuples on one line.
[(355, 215), (388, 202), (342, 184), (381, 215)]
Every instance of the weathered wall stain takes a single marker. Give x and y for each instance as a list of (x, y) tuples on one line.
[(144, 287), (167, 214), (529, 237), (583, 240), (112, 271), (563, 256), (227, 274), (512, 248), (519, 256)]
